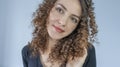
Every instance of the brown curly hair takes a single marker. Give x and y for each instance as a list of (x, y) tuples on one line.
[(71, 46)]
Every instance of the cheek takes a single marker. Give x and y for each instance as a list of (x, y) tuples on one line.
[(71, 27), (51, 18), (54, 16)]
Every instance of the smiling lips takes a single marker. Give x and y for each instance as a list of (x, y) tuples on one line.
[(58, 29)]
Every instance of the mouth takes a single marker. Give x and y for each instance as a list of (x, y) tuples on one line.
[(58, 29)]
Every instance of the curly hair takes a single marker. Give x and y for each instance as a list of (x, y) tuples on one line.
[(71, 46)]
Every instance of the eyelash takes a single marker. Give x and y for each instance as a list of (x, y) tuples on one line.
[(74, 19), (60, 10)]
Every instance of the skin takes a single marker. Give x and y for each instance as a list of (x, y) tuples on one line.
[(62, 20), (65, 17)]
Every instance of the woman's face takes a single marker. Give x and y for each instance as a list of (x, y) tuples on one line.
[(63, 18)]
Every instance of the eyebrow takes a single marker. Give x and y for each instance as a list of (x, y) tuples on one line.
[(66, 10), (62, 6)]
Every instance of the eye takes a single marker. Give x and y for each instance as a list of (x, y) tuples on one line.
[(74, 19), (60, 10)]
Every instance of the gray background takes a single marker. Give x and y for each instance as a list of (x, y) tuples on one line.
[(16, 29)]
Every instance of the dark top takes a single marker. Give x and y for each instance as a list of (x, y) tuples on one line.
[(29, 61)]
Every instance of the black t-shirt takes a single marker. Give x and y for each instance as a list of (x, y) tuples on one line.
[(29, 61)]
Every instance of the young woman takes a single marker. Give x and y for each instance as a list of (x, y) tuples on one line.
[(63, 35)]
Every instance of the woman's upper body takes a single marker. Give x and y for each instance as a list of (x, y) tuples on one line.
[(64, 30), (30, 61)]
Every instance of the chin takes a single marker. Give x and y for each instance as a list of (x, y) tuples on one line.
[(56, 37)]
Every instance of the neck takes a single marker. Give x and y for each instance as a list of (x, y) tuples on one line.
[(51, 44)]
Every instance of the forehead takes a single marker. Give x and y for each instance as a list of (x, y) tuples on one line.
[(72, 6)]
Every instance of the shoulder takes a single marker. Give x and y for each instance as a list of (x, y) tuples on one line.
[(28, 59), (25, 49), (91, 49), (91, 57), (26, 52)]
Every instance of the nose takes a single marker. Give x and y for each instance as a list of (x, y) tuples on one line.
[(63, 20)]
